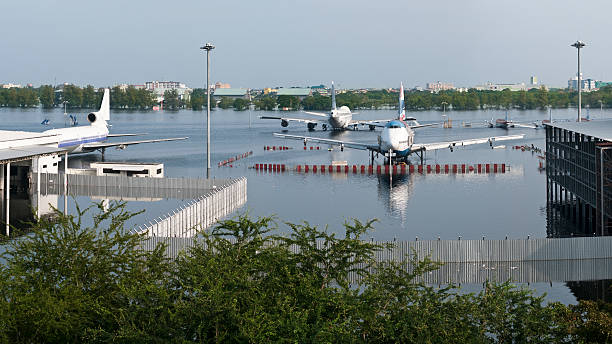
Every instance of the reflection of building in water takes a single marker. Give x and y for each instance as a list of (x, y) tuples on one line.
[(395, 195), (579, 178)]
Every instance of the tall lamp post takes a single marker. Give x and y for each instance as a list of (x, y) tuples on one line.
[(579, 45), (208, 47), (444, 113)]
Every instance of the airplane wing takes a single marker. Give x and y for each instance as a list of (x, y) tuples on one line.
[(316, 114), (287, 119), (354, 145), (452, 144), (526, 125), (122, 145), (122, 135)]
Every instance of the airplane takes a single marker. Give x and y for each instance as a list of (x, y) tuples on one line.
[(338, 118), (506, 123), (396, 141), (86, 139)]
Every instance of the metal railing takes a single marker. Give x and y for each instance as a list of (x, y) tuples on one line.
[(197, 214)]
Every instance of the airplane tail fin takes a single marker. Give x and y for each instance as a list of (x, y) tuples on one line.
[(101, 116), (333, 92), (402, 110)]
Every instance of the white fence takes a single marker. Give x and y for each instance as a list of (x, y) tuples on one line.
[(200, 213)]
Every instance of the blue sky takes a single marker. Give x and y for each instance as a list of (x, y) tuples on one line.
[(292, 43)]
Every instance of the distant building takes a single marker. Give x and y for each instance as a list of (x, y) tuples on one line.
[(533, 80), (439, 86), (295, 92), (500, 87), (269, 90), (587, 85), (160, 87), (600, 84), (10, 85), (232, 93), (320, 89), (219, 84)]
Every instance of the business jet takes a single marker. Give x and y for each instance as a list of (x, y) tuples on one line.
[(337, 119), (396, 141), (81, 139)]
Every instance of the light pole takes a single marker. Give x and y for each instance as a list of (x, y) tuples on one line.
[(579, 45), (208, 47), (444, 112), (601, 108)]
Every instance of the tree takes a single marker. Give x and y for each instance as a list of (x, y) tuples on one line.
[(171, 100), (226, 103), (240, 104), (74, 283), (47, 96)]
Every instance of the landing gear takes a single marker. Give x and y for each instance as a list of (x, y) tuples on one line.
[(355, 127), (324, 127), (372, 127), (420, 154)]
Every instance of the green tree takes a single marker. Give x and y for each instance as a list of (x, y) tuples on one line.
[(171, 100), (226, 103), (240, 104), (47, 96)]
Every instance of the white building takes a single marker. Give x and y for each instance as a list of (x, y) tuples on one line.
[(160, 87), (587, 84), (439, 86)]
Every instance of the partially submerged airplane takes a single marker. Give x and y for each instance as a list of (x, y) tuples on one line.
[(506, 123), (338, 118), (82, 139), (396, 140)]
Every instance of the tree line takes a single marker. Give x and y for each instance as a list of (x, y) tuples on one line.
[(141, 99), (67, 282)]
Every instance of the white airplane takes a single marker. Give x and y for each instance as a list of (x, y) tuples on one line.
[(397, 140), (338, 118), (506, 123), (82, 139)]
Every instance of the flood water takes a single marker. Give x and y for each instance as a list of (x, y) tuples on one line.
[(426, 206)]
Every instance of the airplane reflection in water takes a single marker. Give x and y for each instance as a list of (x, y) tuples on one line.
[(395, 194)]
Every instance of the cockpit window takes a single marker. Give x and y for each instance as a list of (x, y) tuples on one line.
[(393, 126)]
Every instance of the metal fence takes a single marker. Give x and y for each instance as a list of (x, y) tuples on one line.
[(477, 251), (127, 187), (477, 261), (197, 214)]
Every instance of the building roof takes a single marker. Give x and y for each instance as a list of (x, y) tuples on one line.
[(26, 153), (598, 129), (300, 92), (230, 92)]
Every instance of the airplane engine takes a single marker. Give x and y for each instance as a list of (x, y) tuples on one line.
[(284, 123), (92, 117), (311, 126)]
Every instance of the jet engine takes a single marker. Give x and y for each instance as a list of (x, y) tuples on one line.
[(311, 126), (284, 123), (92, 117)]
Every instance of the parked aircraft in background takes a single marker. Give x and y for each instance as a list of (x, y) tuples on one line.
[(396, 140), (337, 119)]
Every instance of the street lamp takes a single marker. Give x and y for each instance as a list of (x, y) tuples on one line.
[(208, 47), (579, 45), (444, 112)]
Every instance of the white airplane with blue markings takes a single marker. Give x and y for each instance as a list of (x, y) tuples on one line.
[(338, 118), (396, 140), (85, 139)]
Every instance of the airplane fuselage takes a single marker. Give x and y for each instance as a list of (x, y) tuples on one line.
[(396, 137), (340, 118), (72, 139)]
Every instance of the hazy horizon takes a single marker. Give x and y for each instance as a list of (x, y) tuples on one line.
[(288, 43)]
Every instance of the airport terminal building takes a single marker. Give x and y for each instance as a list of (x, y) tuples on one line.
[(579, 178)]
